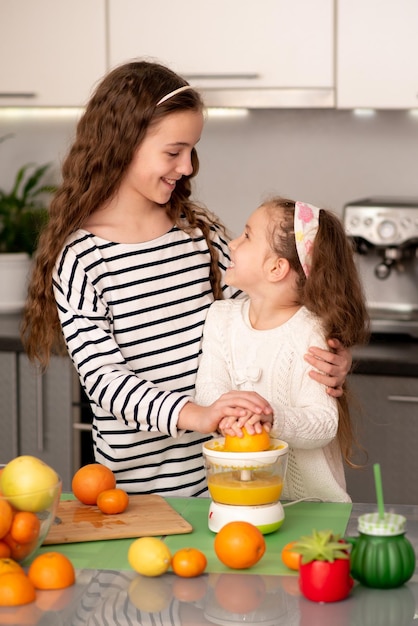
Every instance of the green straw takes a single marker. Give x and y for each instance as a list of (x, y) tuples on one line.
[(379, 490)]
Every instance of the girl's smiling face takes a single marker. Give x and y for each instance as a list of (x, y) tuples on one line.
[(250, 253), (164, 156)]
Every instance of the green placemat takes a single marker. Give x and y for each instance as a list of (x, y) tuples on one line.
[(300, 519)]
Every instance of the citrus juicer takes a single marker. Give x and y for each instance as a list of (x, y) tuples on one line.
[(245, 486)]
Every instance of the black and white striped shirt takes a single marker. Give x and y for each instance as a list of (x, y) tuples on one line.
[(132, 316)]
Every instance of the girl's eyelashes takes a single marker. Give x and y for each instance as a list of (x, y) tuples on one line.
[(173, 154)]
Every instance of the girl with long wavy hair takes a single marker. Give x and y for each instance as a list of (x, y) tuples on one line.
[(124, 274)]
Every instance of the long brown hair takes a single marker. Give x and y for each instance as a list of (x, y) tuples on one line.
[(333, 291), (114, 124)]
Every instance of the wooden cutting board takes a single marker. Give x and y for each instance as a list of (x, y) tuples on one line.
[(146, 515)]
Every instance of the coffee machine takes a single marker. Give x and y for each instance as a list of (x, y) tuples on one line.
[(385, 233)]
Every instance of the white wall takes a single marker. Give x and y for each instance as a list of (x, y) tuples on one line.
[(325, 157)]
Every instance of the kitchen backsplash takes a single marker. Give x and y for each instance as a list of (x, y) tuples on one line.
[(326, 157)]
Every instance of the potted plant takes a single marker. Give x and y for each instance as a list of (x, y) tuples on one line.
[(324, 568), (22, 215)]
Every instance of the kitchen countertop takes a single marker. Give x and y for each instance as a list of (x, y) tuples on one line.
[(387, 355), (122, 597)]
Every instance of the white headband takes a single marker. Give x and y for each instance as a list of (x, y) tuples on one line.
[(306, 222), (173, 93)]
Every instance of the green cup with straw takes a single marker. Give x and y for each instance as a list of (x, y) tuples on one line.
[(381, 556)]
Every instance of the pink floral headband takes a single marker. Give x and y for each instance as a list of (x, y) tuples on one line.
[(306, 222)]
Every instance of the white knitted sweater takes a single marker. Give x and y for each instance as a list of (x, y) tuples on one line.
[(236, 356)]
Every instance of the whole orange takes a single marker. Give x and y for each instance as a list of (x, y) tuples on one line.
[(90, 480), (258, 442), (51, 570), (239, 545), (289, 557), (16, 589), (188, 562), (112, 501), (25, 527)]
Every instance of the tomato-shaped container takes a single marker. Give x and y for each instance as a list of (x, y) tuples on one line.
[(382, 557)]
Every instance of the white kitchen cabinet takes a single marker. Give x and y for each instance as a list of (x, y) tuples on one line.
[(385, 412), (239, 52), (36, 412), (377, 54), (52, 52)]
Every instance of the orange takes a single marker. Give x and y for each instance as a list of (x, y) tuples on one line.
[(51, 570), (240, 594), (113, 501), (289, 557), (19, 551), (239, 545), (15, 589), (247, 443), (6, 517), (10, 565), (25, 527), (188, 562), (5, 551), (90, 480)]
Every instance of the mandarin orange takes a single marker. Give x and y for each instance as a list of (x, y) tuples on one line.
[(112, 501), (16, 589), (25, 527), (289, 557), (51, 570), (188, 562)]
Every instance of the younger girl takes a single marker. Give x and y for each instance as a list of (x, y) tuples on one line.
[(125, 272), (296, 265)]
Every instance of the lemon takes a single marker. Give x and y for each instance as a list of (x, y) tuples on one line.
[(149, 556)]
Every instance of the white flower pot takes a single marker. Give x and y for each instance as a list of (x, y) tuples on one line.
[(14, 278)]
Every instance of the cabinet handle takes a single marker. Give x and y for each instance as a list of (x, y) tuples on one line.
[(403, 398), (40, 412), (221, 76), (82, 426), (17, 94)]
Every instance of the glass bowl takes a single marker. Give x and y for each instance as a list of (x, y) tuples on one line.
[(27, 536)]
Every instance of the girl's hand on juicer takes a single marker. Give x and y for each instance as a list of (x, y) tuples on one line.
[(253, 424), (231, 404)]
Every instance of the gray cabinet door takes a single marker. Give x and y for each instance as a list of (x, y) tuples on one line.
[(385, 413), (46, 414), (8, 407)]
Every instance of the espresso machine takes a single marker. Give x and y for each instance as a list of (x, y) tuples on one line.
[(385, 233)]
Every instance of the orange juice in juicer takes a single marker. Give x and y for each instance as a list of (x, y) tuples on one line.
[(245, 486)]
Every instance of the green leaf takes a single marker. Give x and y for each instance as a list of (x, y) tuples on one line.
[(322, 545), (22, 211)]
